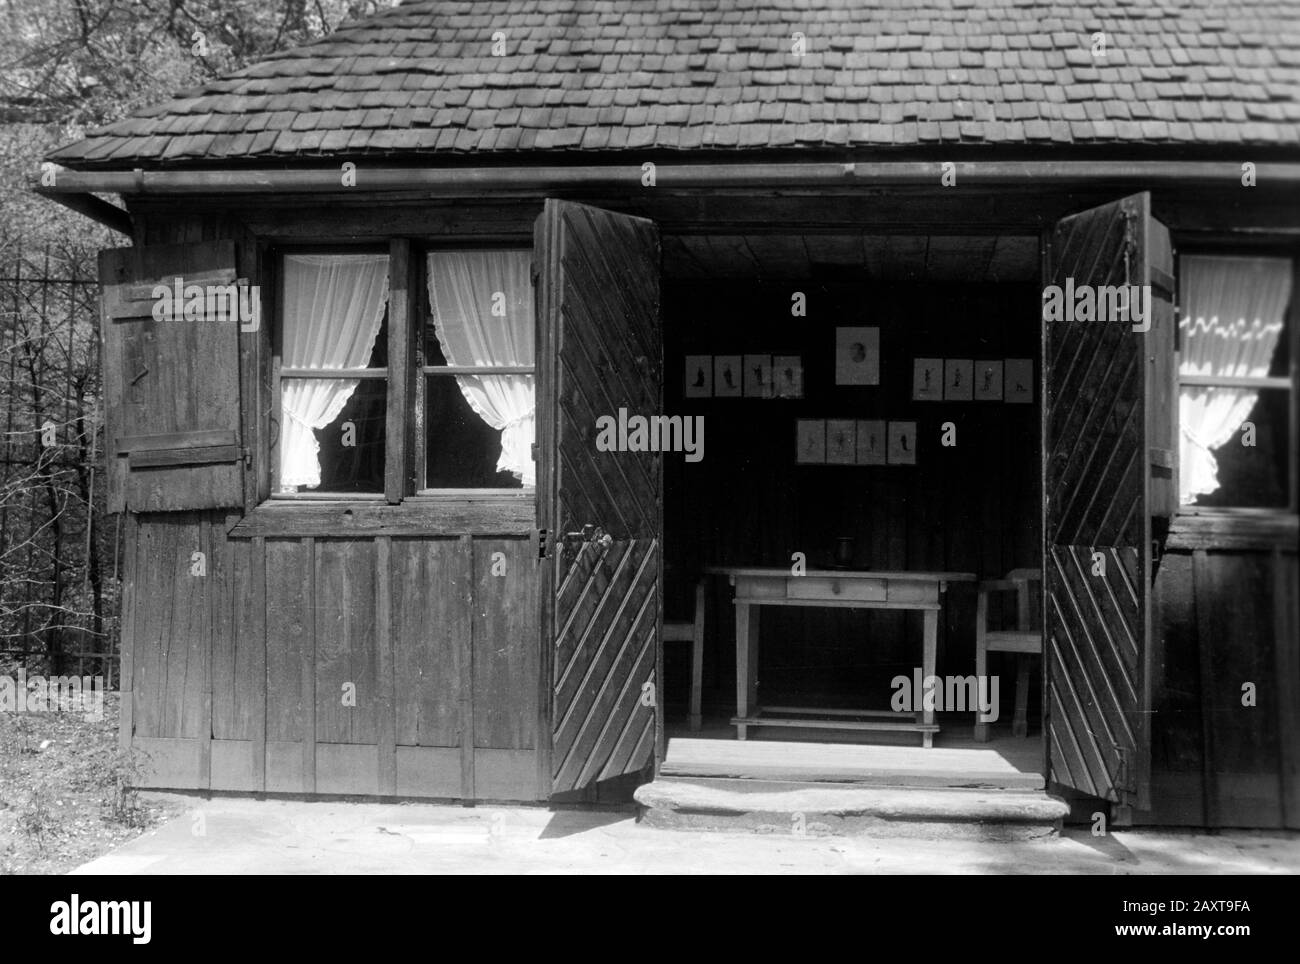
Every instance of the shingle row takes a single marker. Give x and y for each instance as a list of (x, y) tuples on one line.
[(689, 75)]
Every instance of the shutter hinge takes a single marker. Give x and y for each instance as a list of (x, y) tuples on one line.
[(533, 451), (247, 456), (543, 544)]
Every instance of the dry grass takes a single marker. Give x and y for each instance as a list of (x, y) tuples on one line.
[(64, 798)]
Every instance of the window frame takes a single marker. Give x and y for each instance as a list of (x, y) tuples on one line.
[(419, 455), (276, 258), (1229, 247), (405, 383)]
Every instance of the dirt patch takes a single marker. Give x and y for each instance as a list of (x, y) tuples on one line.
[(63, 794)]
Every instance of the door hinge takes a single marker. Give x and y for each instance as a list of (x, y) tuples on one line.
[(1130, 244)]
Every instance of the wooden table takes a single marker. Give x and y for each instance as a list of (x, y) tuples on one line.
[(839, 589)]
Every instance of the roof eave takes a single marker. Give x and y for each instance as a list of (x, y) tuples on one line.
[(462, 180)]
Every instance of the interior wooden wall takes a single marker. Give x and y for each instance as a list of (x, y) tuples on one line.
[(973, 507), (236, 678)]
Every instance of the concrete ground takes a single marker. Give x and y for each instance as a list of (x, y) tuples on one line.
[(243, 836)]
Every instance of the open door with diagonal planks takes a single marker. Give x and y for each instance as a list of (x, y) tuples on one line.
[(598, 318), (1108, 458)]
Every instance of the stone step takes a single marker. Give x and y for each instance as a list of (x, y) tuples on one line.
[(820, 809), (973, 766)]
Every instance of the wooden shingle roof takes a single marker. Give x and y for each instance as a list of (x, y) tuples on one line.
[(722, 75)]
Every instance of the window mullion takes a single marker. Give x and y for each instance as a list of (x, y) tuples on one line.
[(401, 305), (418, 435)]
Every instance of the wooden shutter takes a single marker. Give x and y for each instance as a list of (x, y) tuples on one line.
[(599, 351), (1108, 440), (171, 387)]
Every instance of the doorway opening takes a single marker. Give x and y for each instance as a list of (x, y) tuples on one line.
[(870, 406)]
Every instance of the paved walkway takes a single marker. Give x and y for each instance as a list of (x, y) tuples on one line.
[(230, 835)]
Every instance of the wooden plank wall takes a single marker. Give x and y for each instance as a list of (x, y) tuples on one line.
[(973, 507), (380, 666), (1225, 619)]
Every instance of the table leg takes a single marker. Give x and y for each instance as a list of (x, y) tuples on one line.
[(928, 656), (697, 657), (746, 663)]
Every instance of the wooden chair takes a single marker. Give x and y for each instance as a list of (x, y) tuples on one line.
[(1024, 641), (692, 632)]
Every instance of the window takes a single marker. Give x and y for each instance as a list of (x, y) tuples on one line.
[(479, 387), (332, 429), (1236, 403), (469, 409)]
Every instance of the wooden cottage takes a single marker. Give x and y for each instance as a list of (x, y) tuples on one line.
[(392, 302)]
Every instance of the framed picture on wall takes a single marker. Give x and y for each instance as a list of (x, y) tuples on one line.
[(988, 381), (857, 356), (1019, 381), (727, 376), (927, 379), (871, 443), (787, 376), (810, 441), (758, 376), (902, 443), (841, 446), (699, 376), (958, 375)]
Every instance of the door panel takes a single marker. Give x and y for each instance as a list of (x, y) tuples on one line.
[(1107, 429), (598, 296)]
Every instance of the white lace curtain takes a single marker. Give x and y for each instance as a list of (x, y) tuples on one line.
[(464, 289), (1232, 317), (333, 310)]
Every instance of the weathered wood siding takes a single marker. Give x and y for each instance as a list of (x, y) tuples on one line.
[(1225, 619), (240, 679)]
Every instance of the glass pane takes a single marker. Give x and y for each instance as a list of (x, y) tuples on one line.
[(1234, 447), (349, 452), (480, 309), (464, 449)]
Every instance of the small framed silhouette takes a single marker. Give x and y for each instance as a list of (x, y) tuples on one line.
[(699, 376), (727, 376), (927, 380), (1019, 382), (758, 376), (810, 441), (902, 443), (958, 376), (857, 356), (871, 443), (787, 376), (988, 381), (841, 447)]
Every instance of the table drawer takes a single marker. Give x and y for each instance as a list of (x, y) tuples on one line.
[(759, 587), (833, 587), (904, 592)]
